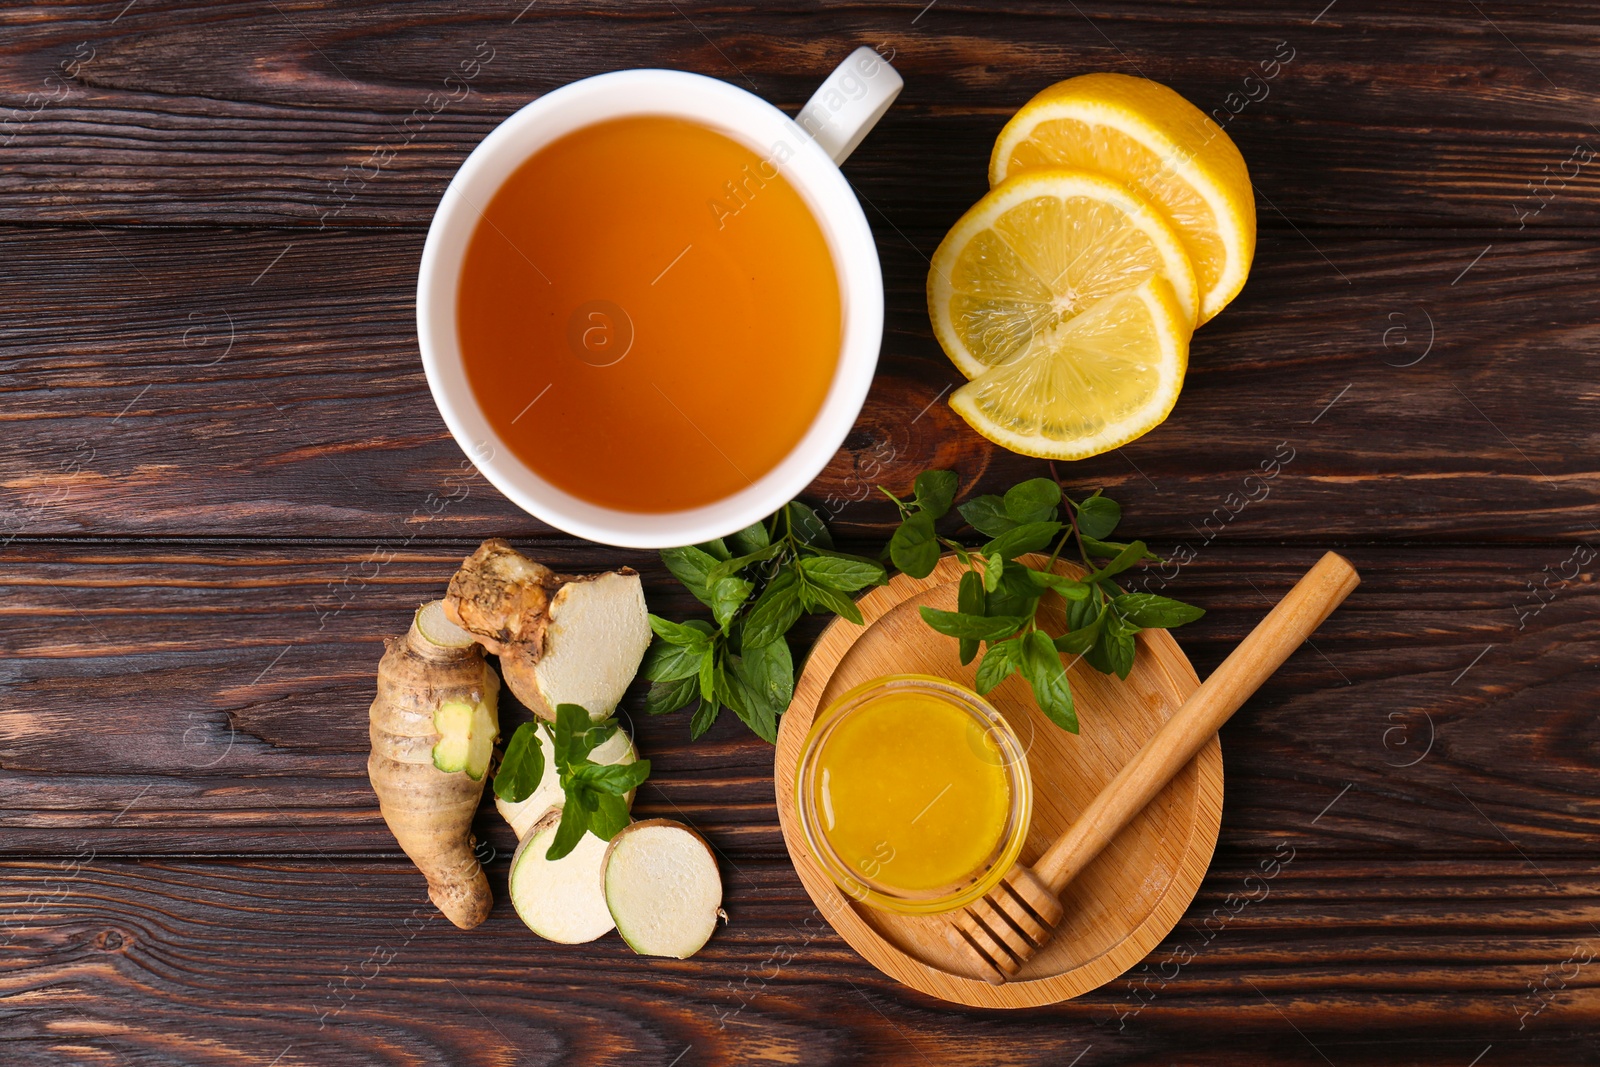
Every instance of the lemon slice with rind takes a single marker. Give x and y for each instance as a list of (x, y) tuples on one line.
[(1035, 252), (1147, 136), (1092, 383)]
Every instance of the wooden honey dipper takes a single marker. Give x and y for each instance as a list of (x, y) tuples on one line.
[(1003, 929)]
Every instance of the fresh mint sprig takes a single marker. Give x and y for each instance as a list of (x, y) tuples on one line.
[(596, 794), (757, 583), (997, 601)]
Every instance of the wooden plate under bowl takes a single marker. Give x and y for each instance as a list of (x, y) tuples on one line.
[(1126, 901)]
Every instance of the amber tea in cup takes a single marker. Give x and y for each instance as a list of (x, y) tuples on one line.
[(648, 314)]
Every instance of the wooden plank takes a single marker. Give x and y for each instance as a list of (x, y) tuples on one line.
[(308, 114), (206, 383), (224, 482), (211, 700), (296, 963)]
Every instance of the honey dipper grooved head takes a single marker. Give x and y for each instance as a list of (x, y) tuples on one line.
[(1002, 930)]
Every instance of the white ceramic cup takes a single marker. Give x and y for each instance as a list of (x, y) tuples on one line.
[(807, 150)]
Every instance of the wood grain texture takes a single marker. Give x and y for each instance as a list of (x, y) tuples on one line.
[(311, 113), (295, 961), (1124, 904), (256, 384), (223, 483)]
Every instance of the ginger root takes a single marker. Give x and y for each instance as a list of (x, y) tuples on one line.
[(501, 597), (433, 728), (561, 639)]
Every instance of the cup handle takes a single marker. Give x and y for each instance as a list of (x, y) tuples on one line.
[(850, 102)]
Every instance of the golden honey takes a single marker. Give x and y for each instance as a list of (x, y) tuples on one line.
[(912, 793)]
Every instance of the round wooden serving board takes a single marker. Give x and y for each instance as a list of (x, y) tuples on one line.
[(1126, 901)]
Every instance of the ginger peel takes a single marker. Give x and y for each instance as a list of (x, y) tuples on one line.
[(561, 639), (435, 679)]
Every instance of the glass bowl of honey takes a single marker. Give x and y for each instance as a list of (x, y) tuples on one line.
[(914, 794)]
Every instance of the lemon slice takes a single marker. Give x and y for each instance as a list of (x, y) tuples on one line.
[(1147, 136), (1037, 250), (1088, 385)]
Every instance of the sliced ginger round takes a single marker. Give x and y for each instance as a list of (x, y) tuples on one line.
[(1146, 136), (662, 888), (1089, 384), (1038, 250), (560, 900)]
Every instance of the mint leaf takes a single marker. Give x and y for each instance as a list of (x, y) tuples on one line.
[(616, 779), (665, 697), (1035, 500), (999, 663), (1110, 549), (708, 678), (970, 601), (667, 662), (821, 598), (691, 566), (987, 515), (1155, 612), (696, 638), (1113, 649), (730, 567), (844, 574), (727, 597), (1118, 624), (1098, 516), (1041, 666), (1016, 593), (1020, 540), (610, 817), (1077, 642), (768, 673), (1121, 652), (756, 714), (574, 824), (1124, 559), (565, 736), (1070, 588), (914, 548), (752, 538), (808, 526), (704, 716), (994, 565), (775, 610), (1081, 613), (583, 734), (716, 548), (980, 628), (935, 491), (522, 766)]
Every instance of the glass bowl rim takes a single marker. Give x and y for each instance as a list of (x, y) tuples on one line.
[(1018, 777)]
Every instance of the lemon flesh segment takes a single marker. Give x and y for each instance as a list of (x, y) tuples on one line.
[(1146, 135), (1035, 252), (1090, 384)]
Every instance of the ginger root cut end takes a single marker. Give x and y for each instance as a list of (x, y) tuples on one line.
[(501, 597)]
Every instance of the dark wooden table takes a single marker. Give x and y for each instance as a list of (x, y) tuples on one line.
[(224, 482)]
